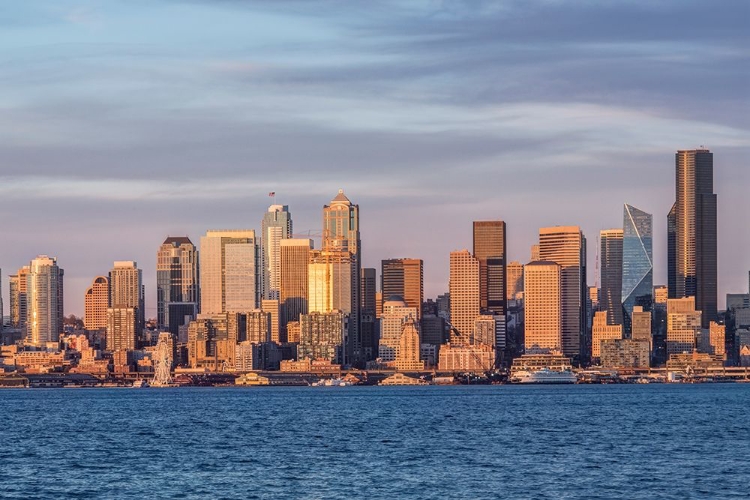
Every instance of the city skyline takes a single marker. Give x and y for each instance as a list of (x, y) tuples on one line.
[(581, 106)]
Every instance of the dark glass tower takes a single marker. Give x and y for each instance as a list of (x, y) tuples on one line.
[(695, 243), (637, 263), (610, 298)]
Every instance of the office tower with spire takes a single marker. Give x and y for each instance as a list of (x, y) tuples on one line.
[(229, 271), (294, 257), (637, 264), (44, 301), (566, 245), (610, 295), (341, 238), (543, 302), (692, 222), (96, 302), (275, 227), (177, 288), (464, 293), (403, 278)]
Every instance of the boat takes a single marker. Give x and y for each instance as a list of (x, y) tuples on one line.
[(140, 383), (544, 376), (331, 382)]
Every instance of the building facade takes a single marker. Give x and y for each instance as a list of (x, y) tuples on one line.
[(126, 290), (177, 280), (637, 263), (96, 303), (44, 301), (229, 271), (543, 307), (611, 258), (464, 293), (403, 278), (275, 227), (692, 258)]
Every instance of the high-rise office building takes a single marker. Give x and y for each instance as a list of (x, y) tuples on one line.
[(96, 302), (637, 263), (322, 336), (329, 282), (464, 293), (126, 290), (229, 271), (514, 282), (275, 227), (293, 279), (369, 289), (271, 307), (44, 301), (692, 258), (176, 281), (543, 307), (566, 245), (18, 298), (490, 251), (404, 278), (610, 296), (341, 235)]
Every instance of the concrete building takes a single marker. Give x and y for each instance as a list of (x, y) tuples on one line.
[(543, 307), (368, 291), (466, 358), (403, 278), (692, 223), (258, 327), (96, 303), (293, 278), (464, 293), (610, 296), (408, 352), (683, 325), (177, 282), (396, 313), (229, 271), (122, 328), (44, 301), (625, 353), (566, 245), (323, 336), (275, 227), (602, 331), (271, 307), (126, 290)]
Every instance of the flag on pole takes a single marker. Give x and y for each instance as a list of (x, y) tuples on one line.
[(272, 193)]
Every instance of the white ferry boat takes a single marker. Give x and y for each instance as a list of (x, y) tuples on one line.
[(544, 376)]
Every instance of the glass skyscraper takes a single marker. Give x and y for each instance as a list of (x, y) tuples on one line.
[(637, 262)]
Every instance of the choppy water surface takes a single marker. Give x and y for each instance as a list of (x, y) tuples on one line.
[(654, 441)]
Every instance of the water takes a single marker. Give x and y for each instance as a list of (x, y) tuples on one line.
[(595, 442)]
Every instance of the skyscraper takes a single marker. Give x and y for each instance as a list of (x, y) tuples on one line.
[(693, 256), (96, 302), (610, 298), (126, 290), (464, 293), (341, 235), (176, 281), (229, 267), (490, 251), (275, 227), (566, 246), (403, 278), (542, 297), (514, 284), (395, 314), (122, 328), (637, 263), (293, 279), (44, 301), (18, 298), (369, 287)]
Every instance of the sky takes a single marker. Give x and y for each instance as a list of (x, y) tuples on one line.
[(122, 122)]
